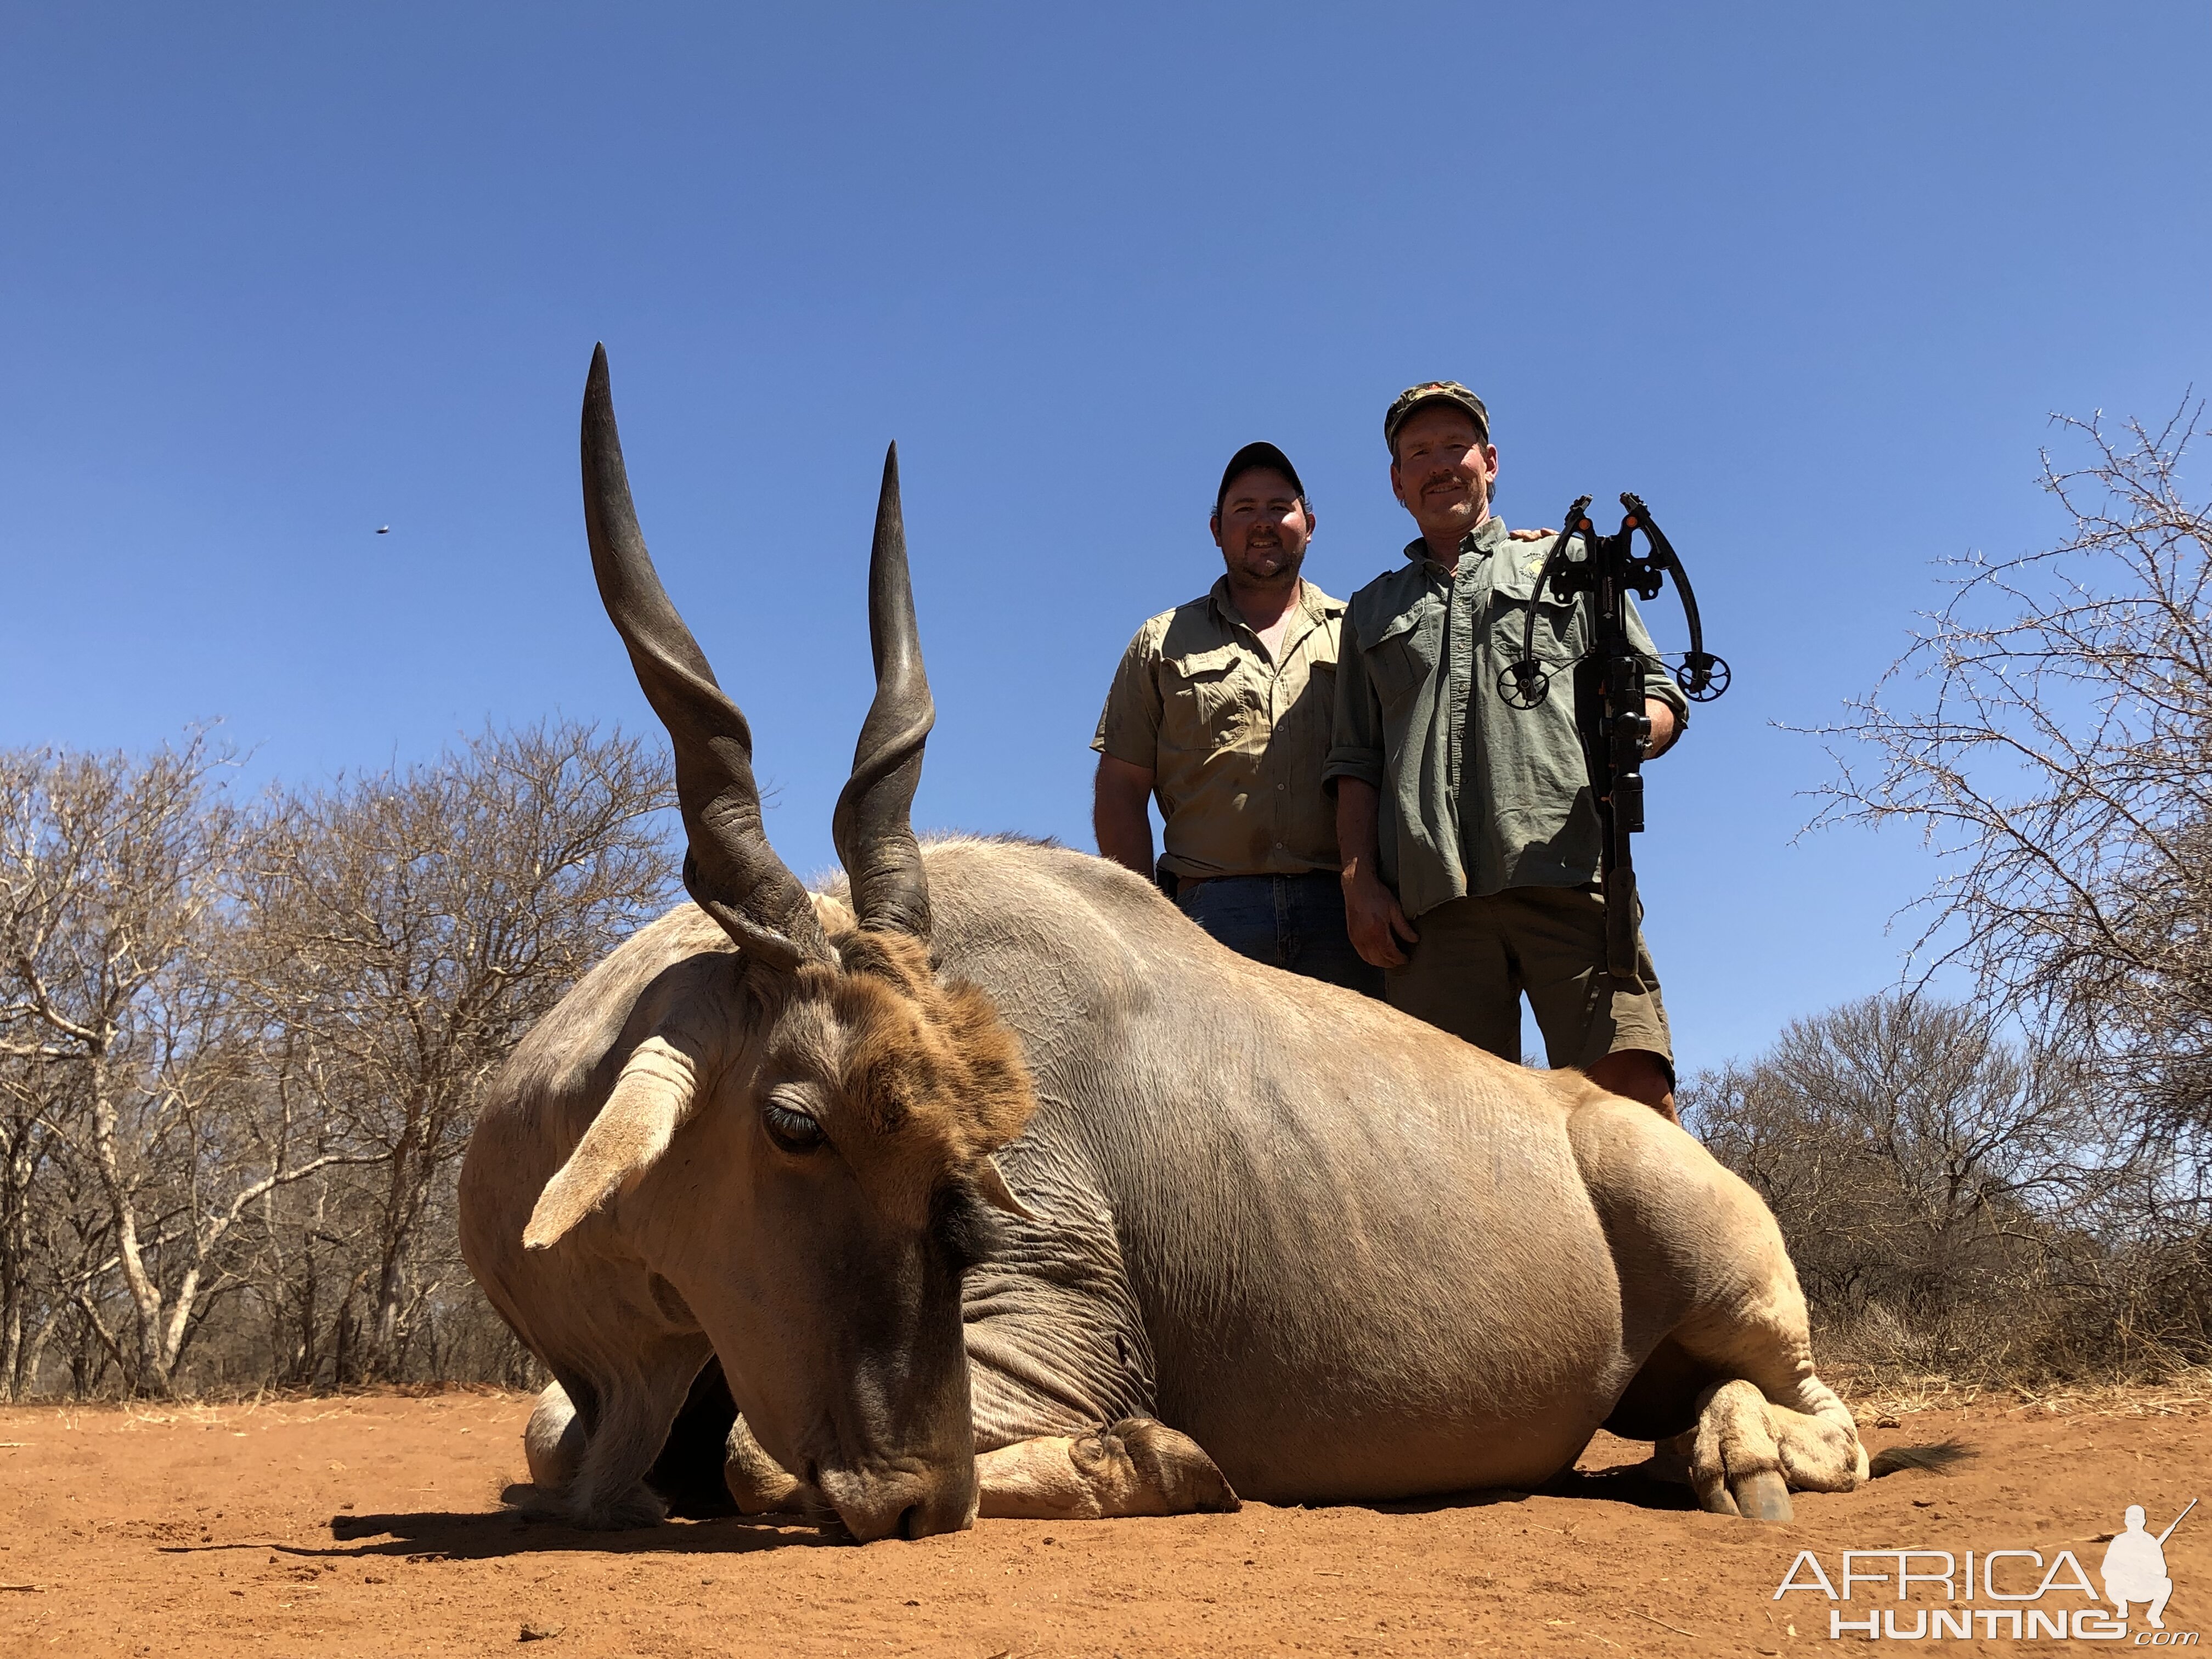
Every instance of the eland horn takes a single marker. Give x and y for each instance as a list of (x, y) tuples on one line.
[(730, 870), (871, 827)]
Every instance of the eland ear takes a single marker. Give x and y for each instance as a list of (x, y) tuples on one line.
[(650, 1101), (991, 1182)]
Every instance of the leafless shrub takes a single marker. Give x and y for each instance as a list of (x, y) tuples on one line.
[(1953, 1203), (241, 1047)]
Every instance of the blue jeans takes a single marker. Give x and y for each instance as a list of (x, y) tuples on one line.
[(1295, 922)]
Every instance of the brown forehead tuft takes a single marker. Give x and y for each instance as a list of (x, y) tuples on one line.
[(927, 1061)]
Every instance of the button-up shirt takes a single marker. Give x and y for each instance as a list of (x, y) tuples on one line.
[(1477, 796), (1234, 735)]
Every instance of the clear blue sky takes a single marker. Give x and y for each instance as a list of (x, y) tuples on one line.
[(1810, 279)]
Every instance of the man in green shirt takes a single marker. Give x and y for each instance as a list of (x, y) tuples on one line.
[(1223, 709), (1469, 830)]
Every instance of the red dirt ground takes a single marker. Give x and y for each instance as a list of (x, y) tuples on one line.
[(372, 1526)]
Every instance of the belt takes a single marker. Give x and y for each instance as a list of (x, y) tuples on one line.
[(1184, 884)]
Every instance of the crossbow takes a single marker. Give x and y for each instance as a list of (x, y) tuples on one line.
[(1616, 733)]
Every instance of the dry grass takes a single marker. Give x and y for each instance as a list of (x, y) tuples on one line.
[(1881, 1402)]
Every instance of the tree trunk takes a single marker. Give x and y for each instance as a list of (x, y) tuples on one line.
[(26, 1379), (414, 1167), (11, 1347), (15, 1258), (152, 1367)]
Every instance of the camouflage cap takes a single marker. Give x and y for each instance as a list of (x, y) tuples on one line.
[(1432, 392)]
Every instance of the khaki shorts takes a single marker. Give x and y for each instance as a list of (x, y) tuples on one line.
[(1477, 957)]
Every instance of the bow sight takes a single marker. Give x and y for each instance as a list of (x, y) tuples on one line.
[(1616, 733)]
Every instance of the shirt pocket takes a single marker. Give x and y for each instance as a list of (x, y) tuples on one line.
[(1399, 661), (1304, 726), (1558, 634), (1201, 708)]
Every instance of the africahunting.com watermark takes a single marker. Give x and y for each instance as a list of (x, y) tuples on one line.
[(1917, 1595)]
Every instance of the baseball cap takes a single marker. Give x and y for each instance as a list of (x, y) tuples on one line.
[(1432, 392), (1257, 455)]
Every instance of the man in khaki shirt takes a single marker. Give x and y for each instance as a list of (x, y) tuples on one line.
[(1223, 709)]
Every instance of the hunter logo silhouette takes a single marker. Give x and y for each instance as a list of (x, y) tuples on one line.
[(2135, 1567)]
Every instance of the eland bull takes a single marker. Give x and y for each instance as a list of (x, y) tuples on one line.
[(996, 1185)]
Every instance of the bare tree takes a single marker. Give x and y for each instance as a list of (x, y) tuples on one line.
[(112, 879), (407, 928), (2050, 734), (241, 1045)]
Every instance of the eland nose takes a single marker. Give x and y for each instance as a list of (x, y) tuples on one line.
[(908, 1503)]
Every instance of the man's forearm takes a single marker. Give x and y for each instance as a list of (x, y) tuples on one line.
[(1125, 843), (1121, 816), (1358, 808)]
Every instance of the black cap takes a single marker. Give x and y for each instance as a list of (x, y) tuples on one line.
[(1256, 455)]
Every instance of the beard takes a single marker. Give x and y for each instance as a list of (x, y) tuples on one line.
[(1269, 564)]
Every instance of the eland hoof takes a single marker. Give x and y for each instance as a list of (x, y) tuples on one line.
[(1762, 1496)]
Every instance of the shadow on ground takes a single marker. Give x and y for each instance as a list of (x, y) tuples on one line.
[(448, 1534), (432, 1534), (1627, 1484), (503, 1531)]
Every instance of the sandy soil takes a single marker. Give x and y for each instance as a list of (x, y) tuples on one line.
[(372, 1526)]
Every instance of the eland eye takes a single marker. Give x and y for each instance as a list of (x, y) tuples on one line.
[(792, 1130)]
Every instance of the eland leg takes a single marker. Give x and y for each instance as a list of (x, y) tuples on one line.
[(1138, 1465), (711, 1461), (1703, 1267), (1773, 1426), (1670, 1458), (758, 1484), (593, 1437), (1749, 1454), (1134, 1467), (553, 1443), (1736, 1464)]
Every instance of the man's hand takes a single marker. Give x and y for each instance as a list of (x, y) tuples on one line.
[(1531, 535), (1373, 919), (1372, 914)]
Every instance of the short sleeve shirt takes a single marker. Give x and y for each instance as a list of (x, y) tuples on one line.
[(1235, 739), (1477, 796)]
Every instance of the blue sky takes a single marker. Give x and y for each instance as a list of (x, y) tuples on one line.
[(1810, 280)]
